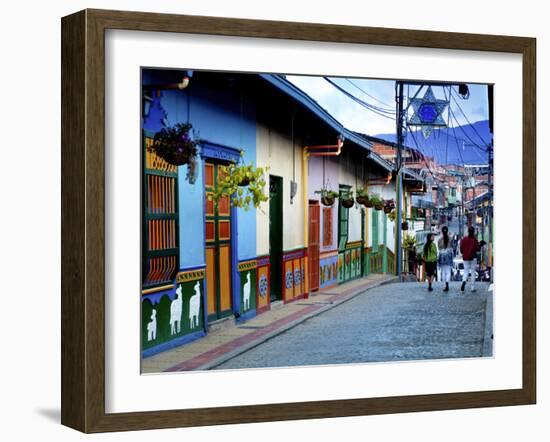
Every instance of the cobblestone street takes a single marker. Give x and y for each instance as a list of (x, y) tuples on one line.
[(393, 322)]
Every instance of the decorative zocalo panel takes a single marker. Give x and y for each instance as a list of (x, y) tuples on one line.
[(190, 275), (248, 290), (248, 265), (166, 320), (328, 271)]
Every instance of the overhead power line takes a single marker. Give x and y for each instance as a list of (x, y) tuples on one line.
[(465, 117), (423, 154), (377, 110), (367, 94), (473, 143)]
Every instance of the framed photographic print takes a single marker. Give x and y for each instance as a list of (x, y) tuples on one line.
[(267, 221)]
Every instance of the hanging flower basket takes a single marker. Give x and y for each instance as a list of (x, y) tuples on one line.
[(362, 197), (175, 145), (377, 202), (327, 197), (347, 202), (405, 225), (346, 199), (387, 209), (244, 182)]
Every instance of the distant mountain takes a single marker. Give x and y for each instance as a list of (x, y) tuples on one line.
[(461, 145)]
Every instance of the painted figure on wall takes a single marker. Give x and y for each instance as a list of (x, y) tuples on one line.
[(152, 326), (195, 306), (175, 312), (246, 292)]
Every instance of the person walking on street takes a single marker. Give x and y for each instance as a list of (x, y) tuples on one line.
[(455, 244), (429, 256), (445, 258), (469, 246)]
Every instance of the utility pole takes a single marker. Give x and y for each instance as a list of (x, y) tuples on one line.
[(461, 216), (400, 115), (398, 249)]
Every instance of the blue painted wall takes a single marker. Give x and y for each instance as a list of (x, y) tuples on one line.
[(221, 116), (191, 218)]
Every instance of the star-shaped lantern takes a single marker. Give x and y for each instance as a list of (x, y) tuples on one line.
[(427, 112)]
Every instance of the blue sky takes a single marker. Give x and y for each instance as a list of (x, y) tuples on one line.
[(381, 93)]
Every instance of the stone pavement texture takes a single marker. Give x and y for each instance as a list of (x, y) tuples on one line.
[(229, 340), (394, 322)]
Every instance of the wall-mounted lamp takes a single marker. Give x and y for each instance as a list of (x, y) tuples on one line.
[(293, 190)]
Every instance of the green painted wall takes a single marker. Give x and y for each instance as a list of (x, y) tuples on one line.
[(165, 330), (252, 285)]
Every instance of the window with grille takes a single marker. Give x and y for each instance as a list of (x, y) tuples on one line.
[(160, 257), (375, 229), (327, 226), (343, 221)]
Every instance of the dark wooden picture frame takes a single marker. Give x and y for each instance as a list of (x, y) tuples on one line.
[(83, 220)]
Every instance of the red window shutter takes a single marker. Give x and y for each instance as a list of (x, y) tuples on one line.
[(327, 226)]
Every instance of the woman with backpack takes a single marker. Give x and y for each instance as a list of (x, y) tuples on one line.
[(429, 256)]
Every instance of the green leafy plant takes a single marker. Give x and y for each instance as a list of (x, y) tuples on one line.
[(377, 202), (244, 184), (178, 145), (346, 198), (362, 197), (327, 196), (393, 215), (409, 241)]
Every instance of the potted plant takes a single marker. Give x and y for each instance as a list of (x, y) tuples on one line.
[(246, 174), (346, 199), (377, 202), (244, 184), (362, 197), (389, 205), (175, 145), (409, 242), (327, 196)]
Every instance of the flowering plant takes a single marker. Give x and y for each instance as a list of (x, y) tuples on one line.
[(176, 146)]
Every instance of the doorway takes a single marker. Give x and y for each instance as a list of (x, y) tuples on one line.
[(218, 245), (313, 245), (276, 236)]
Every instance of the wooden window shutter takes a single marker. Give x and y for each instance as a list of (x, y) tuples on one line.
[(327, 226)]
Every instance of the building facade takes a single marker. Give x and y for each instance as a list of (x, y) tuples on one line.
[(204, 262)]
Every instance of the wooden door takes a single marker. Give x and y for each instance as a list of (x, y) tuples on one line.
[(218, 246), (313, 245)]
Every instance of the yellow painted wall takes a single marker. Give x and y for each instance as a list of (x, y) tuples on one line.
[(274, 148)]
